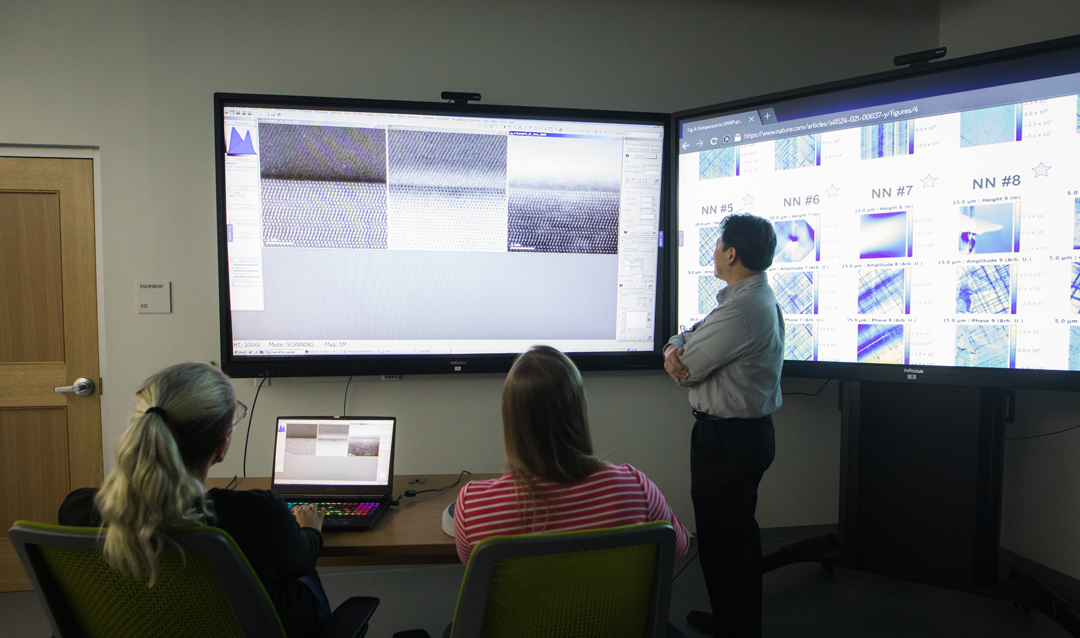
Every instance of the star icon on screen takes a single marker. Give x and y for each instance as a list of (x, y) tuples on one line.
[(749, 199), (832, 190), (928, 181), (1042, 170)]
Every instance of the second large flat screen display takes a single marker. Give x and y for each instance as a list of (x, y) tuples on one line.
[(931, 221)]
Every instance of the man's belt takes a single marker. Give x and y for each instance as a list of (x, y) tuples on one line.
[(704, 416)]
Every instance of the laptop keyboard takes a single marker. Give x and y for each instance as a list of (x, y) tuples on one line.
[(340, 509)]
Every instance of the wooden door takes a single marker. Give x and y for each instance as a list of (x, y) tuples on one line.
[(50, 443)]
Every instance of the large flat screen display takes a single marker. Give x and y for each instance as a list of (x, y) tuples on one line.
[(387, 237), (928, 221)]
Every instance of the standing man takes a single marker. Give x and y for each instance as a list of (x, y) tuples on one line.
[(731, 362)]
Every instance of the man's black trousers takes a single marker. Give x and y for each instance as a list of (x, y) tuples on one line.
[(727, 459)]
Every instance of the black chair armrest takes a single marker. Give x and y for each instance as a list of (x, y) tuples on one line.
[(350, 619)]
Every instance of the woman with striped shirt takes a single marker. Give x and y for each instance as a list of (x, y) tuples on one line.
[(553, 482)]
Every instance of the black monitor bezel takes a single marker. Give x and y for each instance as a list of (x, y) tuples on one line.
[(1060, 380), (342, 365)]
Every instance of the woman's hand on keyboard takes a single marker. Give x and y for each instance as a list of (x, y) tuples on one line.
[(309, 516)]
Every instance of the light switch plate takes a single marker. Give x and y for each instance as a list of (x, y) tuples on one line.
[(154, 297)]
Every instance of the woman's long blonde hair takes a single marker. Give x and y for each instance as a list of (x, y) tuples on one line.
[(545, 425), (151, 488)]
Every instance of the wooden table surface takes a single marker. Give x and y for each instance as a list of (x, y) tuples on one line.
[(410, 533)]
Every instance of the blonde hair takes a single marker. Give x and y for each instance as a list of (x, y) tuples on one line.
[(545, 425), (151, 487)]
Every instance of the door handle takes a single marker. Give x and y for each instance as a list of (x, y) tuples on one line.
[(83, 387)]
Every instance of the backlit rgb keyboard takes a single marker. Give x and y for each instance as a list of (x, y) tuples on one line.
[(341, 509)]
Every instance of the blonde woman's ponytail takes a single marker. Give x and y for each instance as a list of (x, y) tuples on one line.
[(183, 413)]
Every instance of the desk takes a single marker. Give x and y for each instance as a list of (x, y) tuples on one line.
[(408, 534)]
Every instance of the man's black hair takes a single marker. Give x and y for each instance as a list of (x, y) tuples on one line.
[(753, 239)]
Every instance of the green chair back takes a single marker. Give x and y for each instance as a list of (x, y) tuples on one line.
[(205, 586), (612, 582)]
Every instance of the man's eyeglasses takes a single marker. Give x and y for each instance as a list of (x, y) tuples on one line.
[(241, 411)]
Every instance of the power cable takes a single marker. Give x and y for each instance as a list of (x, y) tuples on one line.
[(1035, 436), (345, 401), (411, 493), (251, 415), (807, 394), (685, 566)]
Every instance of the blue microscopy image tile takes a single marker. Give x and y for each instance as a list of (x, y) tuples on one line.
[(987, 229), (794, 291), (982, 346), (799, 341), (708, 237), (708, 288), (797, 152), (881, 291), (1074, 295), (883, 235), (984, 290), (716, 163), (886, 140), (1076, 224), (1074, 348), (796, 240), (994, 125), (880, 343)]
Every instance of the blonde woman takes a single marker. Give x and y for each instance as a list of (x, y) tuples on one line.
[(553, 482), (183, 423)]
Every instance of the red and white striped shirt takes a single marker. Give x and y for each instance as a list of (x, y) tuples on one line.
[(612, 496)]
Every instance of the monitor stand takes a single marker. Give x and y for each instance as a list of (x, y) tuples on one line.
[(920, 493), (920, 481)]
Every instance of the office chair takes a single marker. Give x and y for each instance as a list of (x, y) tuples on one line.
[(612, 582), (205, 587)]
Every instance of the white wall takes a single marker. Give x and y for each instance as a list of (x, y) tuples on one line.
[(1041, 500), (135, 78), (976, 26)]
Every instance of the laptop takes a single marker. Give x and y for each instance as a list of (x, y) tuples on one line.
[(343, 463)]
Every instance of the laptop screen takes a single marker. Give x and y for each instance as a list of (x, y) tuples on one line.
[(350, 452)]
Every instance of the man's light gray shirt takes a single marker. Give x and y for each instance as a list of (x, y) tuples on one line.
[(736, 352)]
